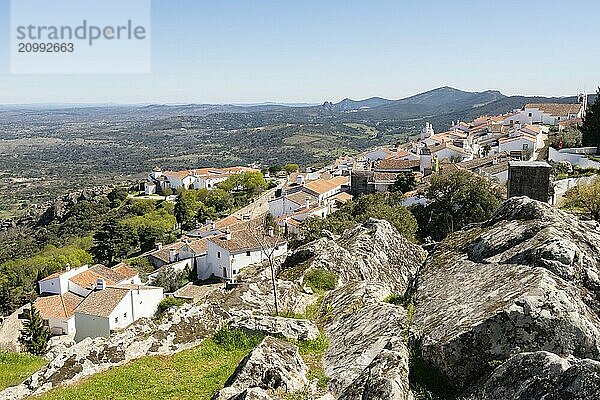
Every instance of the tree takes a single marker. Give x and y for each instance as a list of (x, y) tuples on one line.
[(567, 138), (591, 124), (34, 335), (456, 200), (291, 168), (149, 235), (404, 183), (586, 197), (171, 280), (381, 206), (113, 242), (185, 209), (117, 196)]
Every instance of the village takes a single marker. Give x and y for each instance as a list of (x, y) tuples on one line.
[(511, 150)]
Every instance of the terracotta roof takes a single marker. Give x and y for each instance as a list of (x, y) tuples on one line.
[(448, 146), (512, 139), (198, 246), (572, 121), (343, 197), (321, 186), (301, 196), (177, 174), (556, 109), (101, 303), (58, 305), (227, 221), (245, 240), (87, 279), (481, 161), (379, 177), (496, 169), (125, 271), (163, 254), (395, 164)]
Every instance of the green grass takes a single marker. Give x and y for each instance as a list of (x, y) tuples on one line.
[(192, 374), (16, 367), (320, 280)]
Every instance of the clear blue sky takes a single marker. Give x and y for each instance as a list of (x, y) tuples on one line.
[(223, 51)]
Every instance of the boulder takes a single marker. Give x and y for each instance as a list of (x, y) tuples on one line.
[(532, 233), (290, 328), (385, 378), (372, 251), (366, 337), (273, 365), (541, 375), (503, 288)]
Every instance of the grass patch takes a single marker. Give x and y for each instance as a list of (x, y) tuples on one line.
[(167, 303), (320, 280), (197, 373), (16, 367)]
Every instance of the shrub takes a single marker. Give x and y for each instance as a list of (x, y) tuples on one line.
[(167, 303), (395, 299), (320, 280), (236, 339)]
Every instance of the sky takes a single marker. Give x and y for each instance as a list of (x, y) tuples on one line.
[(235, 51)]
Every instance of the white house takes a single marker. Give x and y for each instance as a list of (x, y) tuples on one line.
[(547, 113), (227, 254), (57, 312), (62, 292), (325, 188), (522, 147), (289, 203), (110, 308), (448, 151), (202, 178)]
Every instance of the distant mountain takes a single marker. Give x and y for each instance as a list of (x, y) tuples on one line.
[(349, 104), (447, 95)]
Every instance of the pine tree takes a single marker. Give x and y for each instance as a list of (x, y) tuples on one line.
[(34, 335), (591, 124)]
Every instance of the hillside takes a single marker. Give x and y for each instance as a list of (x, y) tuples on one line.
[(508, 309)]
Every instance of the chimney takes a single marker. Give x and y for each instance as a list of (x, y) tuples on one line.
[(158, 246), (213, 225), (67, 267), (100, 284), (495, 161), (271, 231), (307, 202), (172, 255), (228, 235)]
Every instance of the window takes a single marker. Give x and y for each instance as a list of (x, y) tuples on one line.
[(525, 146), (530, 114), (124, 315), (46, 322), (224, 272), (276, 247), (248, 253), (116, 319), (218, 254)]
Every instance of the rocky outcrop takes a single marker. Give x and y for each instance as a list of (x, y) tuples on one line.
[(274, 365), (535, 234), (541, 375), (385, 378), (500, 289), (373, 251), (290, 328), (367, 356)]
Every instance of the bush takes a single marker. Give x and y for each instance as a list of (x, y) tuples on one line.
[(167, 303), (319, 280), (236, 339), (395, 299), (314, 346)]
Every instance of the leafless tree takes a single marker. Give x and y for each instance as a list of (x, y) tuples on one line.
[(268, 236)]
